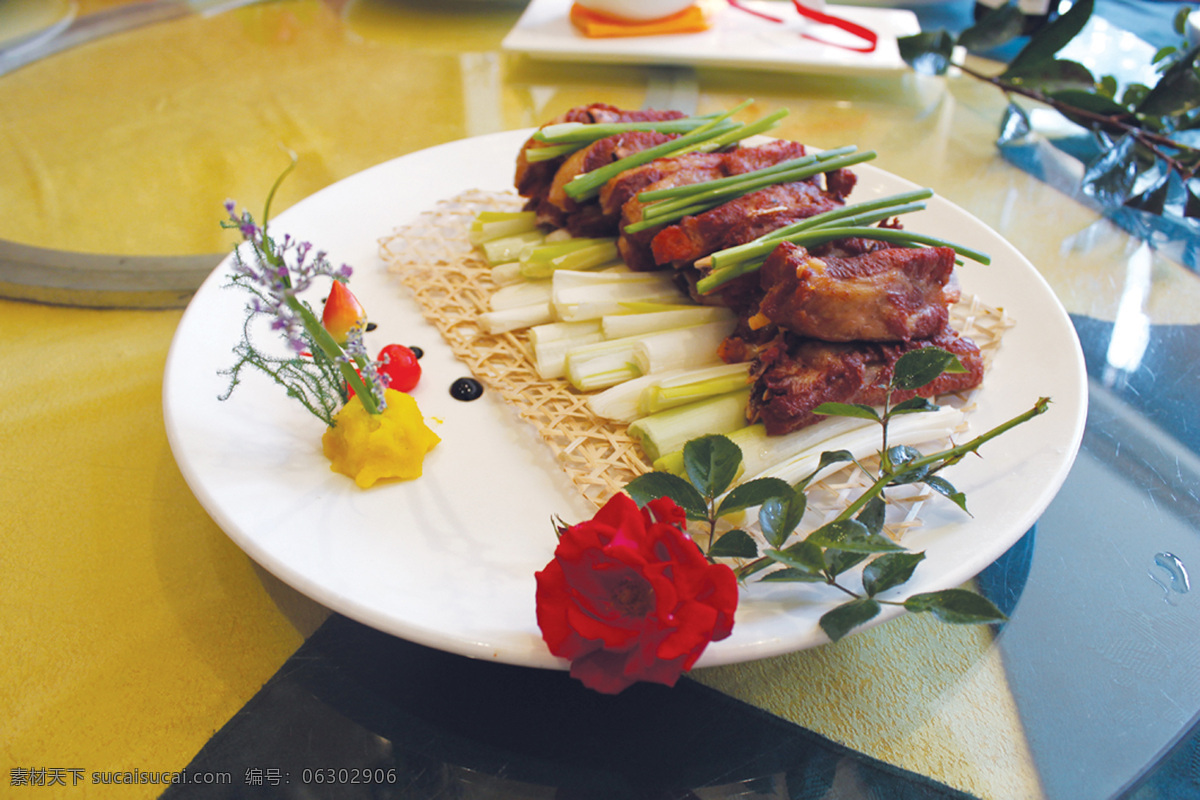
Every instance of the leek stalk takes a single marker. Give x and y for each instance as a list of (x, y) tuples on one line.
[(681, 348), (680, 387), (508, 248), (542, 259), (525, 293), (586, 133), (590, 295), (516, 318), (669, 430), (618, 326), (490, 225), (863, 441), (550, 343)]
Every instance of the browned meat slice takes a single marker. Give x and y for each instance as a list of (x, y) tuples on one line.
[(680, 171), (635, 247), (557, 207), (897, 294), (840, 183), (533, 178), (795, 375), (695, 168), (739, 221), (660, 173)]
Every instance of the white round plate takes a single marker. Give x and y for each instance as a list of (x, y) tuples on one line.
[(448, 560)]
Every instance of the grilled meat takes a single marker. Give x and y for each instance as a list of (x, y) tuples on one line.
[(794, 375), (739, 221), (588, 219), (533, 179), (896, 294), (621, 192)]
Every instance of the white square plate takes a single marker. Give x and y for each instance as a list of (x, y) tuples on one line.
[(736, 40)]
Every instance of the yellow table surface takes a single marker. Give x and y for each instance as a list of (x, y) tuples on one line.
[(132, 628)]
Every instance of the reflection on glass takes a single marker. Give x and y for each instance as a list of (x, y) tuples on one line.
[(1170, 573), (1131, 329)]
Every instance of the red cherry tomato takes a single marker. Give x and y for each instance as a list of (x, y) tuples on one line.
[(401, 366)]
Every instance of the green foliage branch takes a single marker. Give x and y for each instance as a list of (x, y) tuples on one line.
[(856, 535), (1148, 136)]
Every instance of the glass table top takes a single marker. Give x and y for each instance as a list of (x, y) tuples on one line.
[(120, 154)]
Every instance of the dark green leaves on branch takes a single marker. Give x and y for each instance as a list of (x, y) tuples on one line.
[(1145, 136), (654, 485), (711, 463), (958, 606), (889, 571), (856, 535), (917, 368), (848, 616)]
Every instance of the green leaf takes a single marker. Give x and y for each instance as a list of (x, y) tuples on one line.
[(889, 570), (946, 489), (1177, 91), (753, 493), (654, 485), (734, 544), (914, 405), (1134, 94), (789, 575), (928, 53), (1049, 40), (917, 368), (779, 516), (803, 555), (1056, 75), (847, 410), (1106, 87), (999, 26), (1162, 53), (902, 455), (828, 458), (1179, 22), (873, 514), (1091, 101), (838, 561), (958, 606), (851, 536), (848, 616), (711, 463)]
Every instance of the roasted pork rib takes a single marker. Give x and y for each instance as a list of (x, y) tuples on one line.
[(795, 375), (896, 294), (533, 179), (620, 194), (739, 221)]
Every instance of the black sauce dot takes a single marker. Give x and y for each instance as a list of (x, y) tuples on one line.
[(371, 326), (466, 389), (416, 351)]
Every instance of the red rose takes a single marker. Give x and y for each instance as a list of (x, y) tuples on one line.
[(630, 597)]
